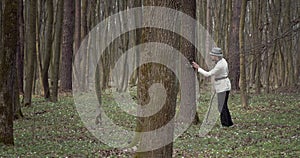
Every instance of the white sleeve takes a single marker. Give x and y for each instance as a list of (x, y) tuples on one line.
[(211, 72), (203, 72)]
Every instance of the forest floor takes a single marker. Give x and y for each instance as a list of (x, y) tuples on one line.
[(269, 127)]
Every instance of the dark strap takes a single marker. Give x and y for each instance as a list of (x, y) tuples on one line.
[(221, 78)]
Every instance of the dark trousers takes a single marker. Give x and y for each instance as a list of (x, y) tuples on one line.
[(223, 109)]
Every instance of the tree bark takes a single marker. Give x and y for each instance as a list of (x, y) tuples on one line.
[(20, 51), (67, 46), (30, 50), (188, 50), (227, 32), (77, 36), (155, 73), (289, 43), (84, 32), (234, 68), (242, 55), (57, 50), (16, 97), (8, 71), (48, 49)]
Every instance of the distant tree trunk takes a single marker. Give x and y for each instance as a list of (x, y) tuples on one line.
[(1, 22), (30, 50), (84, 29), (16, 98), (297, 57), (57, 50), (252, 25), (234, 69), (227, 30), (289, 43), (134, 39), (121, 76), (267, 55), (84, 32), (208, 25), (48, 49), (242, 55), (20, 51), (8, 71), (67, 46), (77, 36), (258, 35), (89, 57)]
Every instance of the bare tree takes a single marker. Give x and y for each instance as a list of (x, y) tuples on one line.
[(45, 61), (187, 48), (8, 71), (152, 73), (234, 69), (30, 50), (57, 50), (242, 54), (77, 36), (20, 52), (67, 46)]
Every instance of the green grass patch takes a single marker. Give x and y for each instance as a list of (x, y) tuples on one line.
[(269, 127)]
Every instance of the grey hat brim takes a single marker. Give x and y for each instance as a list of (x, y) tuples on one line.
[(216, 54)]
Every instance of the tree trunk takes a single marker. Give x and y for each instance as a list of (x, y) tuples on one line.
[(227, 30), (188, 50), (20, 51), (67, 46), (77, 36), (30, 50), (289, 43), (156, 73), (268, 64), (8, 71), (1, 21), (16, 97), (120, 46), (57, 50), (48, 49), (258, 37), (242, 55), (234, 68), (84, 31)]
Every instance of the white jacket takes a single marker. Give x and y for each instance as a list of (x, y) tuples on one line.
[(220, 71)]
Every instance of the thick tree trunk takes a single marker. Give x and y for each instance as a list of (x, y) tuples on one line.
[(187, 48), (156, 73), (67, 46), (8, 71), (30, 50)]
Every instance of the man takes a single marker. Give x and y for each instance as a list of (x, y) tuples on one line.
[(222, 83)]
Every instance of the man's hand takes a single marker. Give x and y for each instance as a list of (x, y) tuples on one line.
[(195, 65)]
